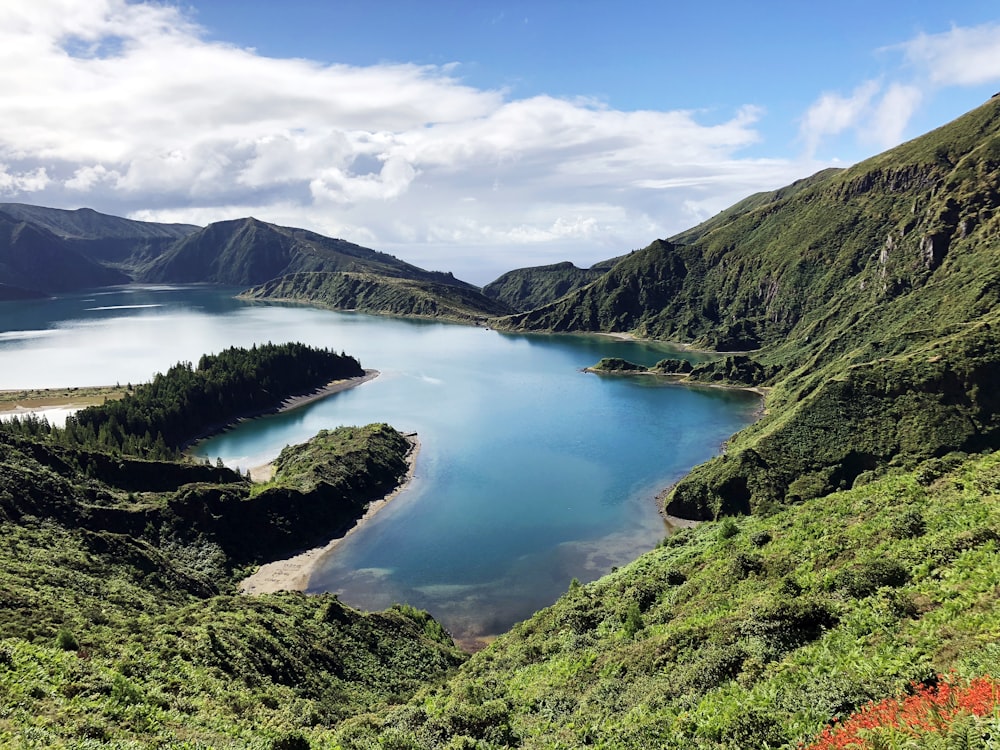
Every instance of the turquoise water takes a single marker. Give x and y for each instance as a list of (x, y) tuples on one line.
[(530, 473)]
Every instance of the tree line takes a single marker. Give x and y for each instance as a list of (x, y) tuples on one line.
[(157, 419)]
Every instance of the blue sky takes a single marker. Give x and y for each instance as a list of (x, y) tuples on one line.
[(468, 136)]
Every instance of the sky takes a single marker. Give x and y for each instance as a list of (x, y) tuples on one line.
[(472, 137)]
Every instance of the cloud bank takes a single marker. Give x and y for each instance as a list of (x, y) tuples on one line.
[(129, 108)]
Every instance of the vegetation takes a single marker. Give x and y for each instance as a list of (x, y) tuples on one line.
[(119, 626), (528, 288), (156, 419), (935, 715), (869, 299), (756, 634), (372, 293), (244, 252), (319, 490), (866, 300), (735, 369)]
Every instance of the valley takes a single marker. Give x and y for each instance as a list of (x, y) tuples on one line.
[(849, 544)]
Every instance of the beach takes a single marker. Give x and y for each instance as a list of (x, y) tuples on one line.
[(293, 573), (54, 404)]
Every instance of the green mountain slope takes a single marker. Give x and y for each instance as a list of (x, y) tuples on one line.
[(371, 293), (34, 261), (528, 288), (245, 252), (840, 243), (870, 296), (88, 224), (746, 635), (121, 243), (45, 250), (120, 627)]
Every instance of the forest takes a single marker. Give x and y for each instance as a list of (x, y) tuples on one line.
[(157, 419)]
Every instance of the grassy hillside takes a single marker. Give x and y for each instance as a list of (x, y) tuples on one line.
[(742, 634), (57, 250), (868, 297), (119, 627), (528, 288), (35, 262), (244, 252), (884, 240), (373, 293)]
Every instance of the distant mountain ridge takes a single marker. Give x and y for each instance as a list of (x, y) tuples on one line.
[(527, 288), (48, 250), (34, 261), (365, 292), (245, 252)]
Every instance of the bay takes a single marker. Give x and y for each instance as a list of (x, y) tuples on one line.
[(531, 472)]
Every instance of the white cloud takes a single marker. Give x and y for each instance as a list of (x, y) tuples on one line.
[(959, 57), (12, 183), (892, 114), (878, 112), (832, 114), (86, 178), (120, 105)]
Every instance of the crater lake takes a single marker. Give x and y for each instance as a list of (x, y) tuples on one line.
[(530, 473)]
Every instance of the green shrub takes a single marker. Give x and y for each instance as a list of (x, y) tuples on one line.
[(291, 741), (744, 564), (864, 579), (728, 528), (633, 621), (674, 577), (909, 524), (66, 641)]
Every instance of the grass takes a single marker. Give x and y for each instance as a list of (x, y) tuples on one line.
[(119, 625), (738, 635)]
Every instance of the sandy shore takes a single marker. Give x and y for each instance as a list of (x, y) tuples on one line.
[(327, 390), (26, 401), (294, 573)]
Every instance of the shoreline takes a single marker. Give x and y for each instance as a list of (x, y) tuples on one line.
[(294, 573), (685, 380), (679, 345), (21, 401), (287, 404)]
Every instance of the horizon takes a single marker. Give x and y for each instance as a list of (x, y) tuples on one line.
[(471, 139)]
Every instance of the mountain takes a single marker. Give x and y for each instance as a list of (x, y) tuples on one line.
[(245, 252), (866, 303), (46, 250), (868, 298), (527, 288), (101, 237), (34, 262), (380, 294)]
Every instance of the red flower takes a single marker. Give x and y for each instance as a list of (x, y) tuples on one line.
[(930, 708)]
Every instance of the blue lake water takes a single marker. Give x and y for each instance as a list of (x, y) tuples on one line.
[(530, 473)]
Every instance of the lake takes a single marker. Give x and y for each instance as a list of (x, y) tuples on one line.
[(531, 472)]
